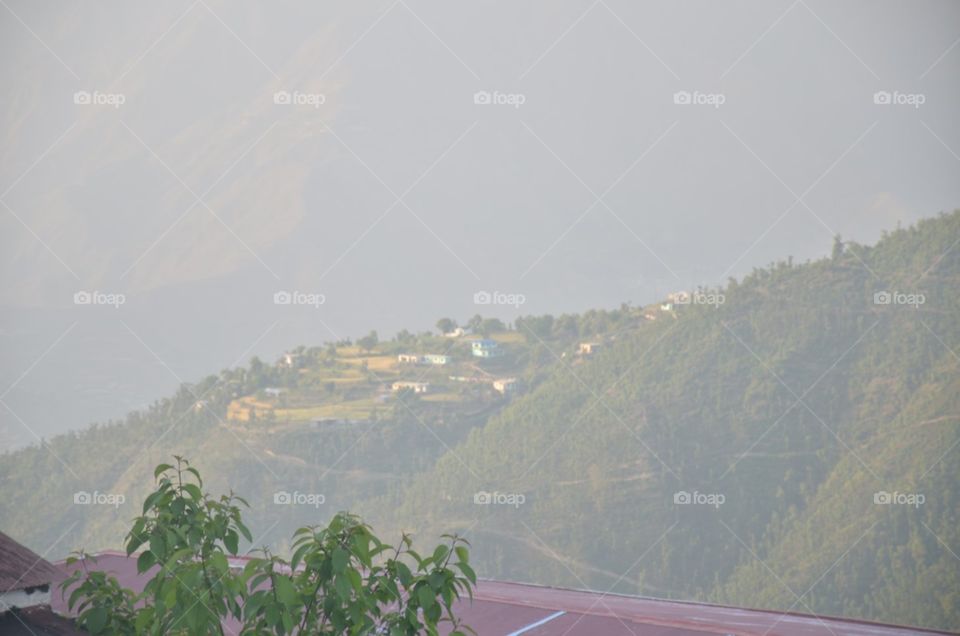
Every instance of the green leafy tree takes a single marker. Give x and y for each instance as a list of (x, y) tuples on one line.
[(369, 341), (446, 325), (341, 578), (491, 326), (535, 328), (837, 250)]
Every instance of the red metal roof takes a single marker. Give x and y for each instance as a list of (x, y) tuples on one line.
[(36, 621), (22, 570), (21, 567), (588, 612), (511, 609)]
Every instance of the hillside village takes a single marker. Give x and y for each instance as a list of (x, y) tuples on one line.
[(476, 367), (347, 382)]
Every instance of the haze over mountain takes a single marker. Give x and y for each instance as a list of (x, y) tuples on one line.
[(789, 441), (492, 197)]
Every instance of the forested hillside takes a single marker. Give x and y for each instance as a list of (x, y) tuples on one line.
[(797, 400), (787, 405)]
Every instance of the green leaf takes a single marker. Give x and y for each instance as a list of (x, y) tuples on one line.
[(143, 619), (196, 474), (425, 596), (145, 561), (170, 598), (432, 614), (253, 604), (134, 543), (298, 555), (286, 592), (150, 500), (404, 574), (361, 546), (220, 563), (342, 585), (244, 531), (231, 540), (462, 553), (157, 546), (273, 615), (356, 579), (77, 593), (340, 559), (96, 620), (160, 469), (193, 491), (468, 572), (181, 554)]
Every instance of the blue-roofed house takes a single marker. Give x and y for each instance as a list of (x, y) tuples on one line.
[(485, 348)]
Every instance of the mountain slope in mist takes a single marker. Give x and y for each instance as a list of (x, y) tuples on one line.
[(789, 413), (804, 401)]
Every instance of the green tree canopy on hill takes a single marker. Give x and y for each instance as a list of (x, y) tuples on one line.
[(446, 325), (369, 341)]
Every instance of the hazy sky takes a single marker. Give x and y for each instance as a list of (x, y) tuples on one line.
[(189, 189)]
